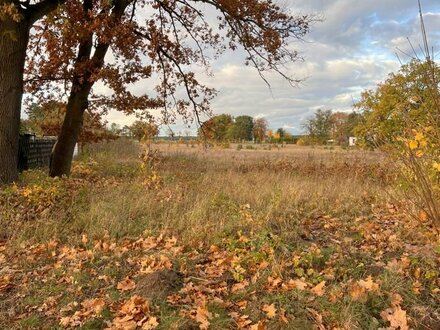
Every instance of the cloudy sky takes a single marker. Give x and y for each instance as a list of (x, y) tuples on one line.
[(353, 49)]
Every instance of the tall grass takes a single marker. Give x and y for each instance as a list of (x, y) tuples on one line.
[(202, 196)]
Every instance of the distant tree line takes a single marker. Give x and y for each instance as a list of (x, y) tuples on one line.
[(140, 130), (225, 128), (326, 126)]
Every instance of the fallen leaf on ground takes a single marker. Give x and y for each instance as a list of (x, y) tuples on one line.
[(397, 318), (270, 310), (126, 285), (319, 289)]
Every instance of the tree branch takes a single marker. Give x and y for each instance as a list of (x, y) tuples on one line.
[(36, 11)]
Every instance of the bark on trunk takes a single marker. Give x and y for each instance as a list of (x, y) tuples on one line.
[(13, 42), (62, 154)]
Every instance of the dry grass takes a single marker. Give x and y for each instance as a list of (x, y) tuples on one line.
[(297, 200)]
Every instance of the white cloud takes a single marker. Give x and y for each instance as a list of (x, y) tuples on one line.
[(351, 50)]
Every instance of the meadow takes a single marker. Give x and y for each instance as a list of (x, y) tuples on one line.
[(229, 237)]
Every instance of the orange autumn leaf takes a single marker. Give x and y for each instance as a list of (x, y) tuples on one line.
[(150, 324), (295, 284), (396, 299), (423, 216), (358, 293), (202, 317), (126, 285), (396, 316), (242, 304), (319, 289), (93, 306), (5, 282), (240, 286), (259, 326), (270, 310), (241, 320), (282, 315), (134, 313), (369, 284)]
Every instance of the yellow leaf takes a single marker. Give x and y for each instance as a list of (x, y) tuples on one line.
[(419, 136), (413, 145)]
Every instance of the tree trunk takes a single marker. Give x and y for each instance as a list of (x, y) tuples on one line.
[(13, 43), (62, 154)]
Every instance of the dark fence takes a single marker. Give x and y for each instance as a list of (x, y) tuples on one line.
[(34, 152)]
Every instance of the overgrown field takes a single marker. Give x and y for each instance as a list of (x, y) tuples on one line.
[(237, 238)]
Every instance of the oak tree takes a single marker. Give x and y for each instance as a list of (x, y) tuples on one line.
[(16, 20), (157, 40)]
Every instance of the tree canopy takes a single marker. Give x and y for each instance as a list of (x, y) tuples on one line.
[(16, 21), (157, 40), (319, 126), (402, 117), (242, 128), (405, 97), (260, 128), (47, 118)]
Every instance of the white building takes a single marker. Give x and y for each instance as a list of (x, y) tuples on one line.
[(352, 141)]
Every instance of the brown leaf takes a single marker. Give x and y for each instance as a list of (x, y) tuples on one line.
[(6, 282), (318, 319), (396, 299), (241, 320), (126, 285), (150, 324), (242, 304), (93, 306)]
